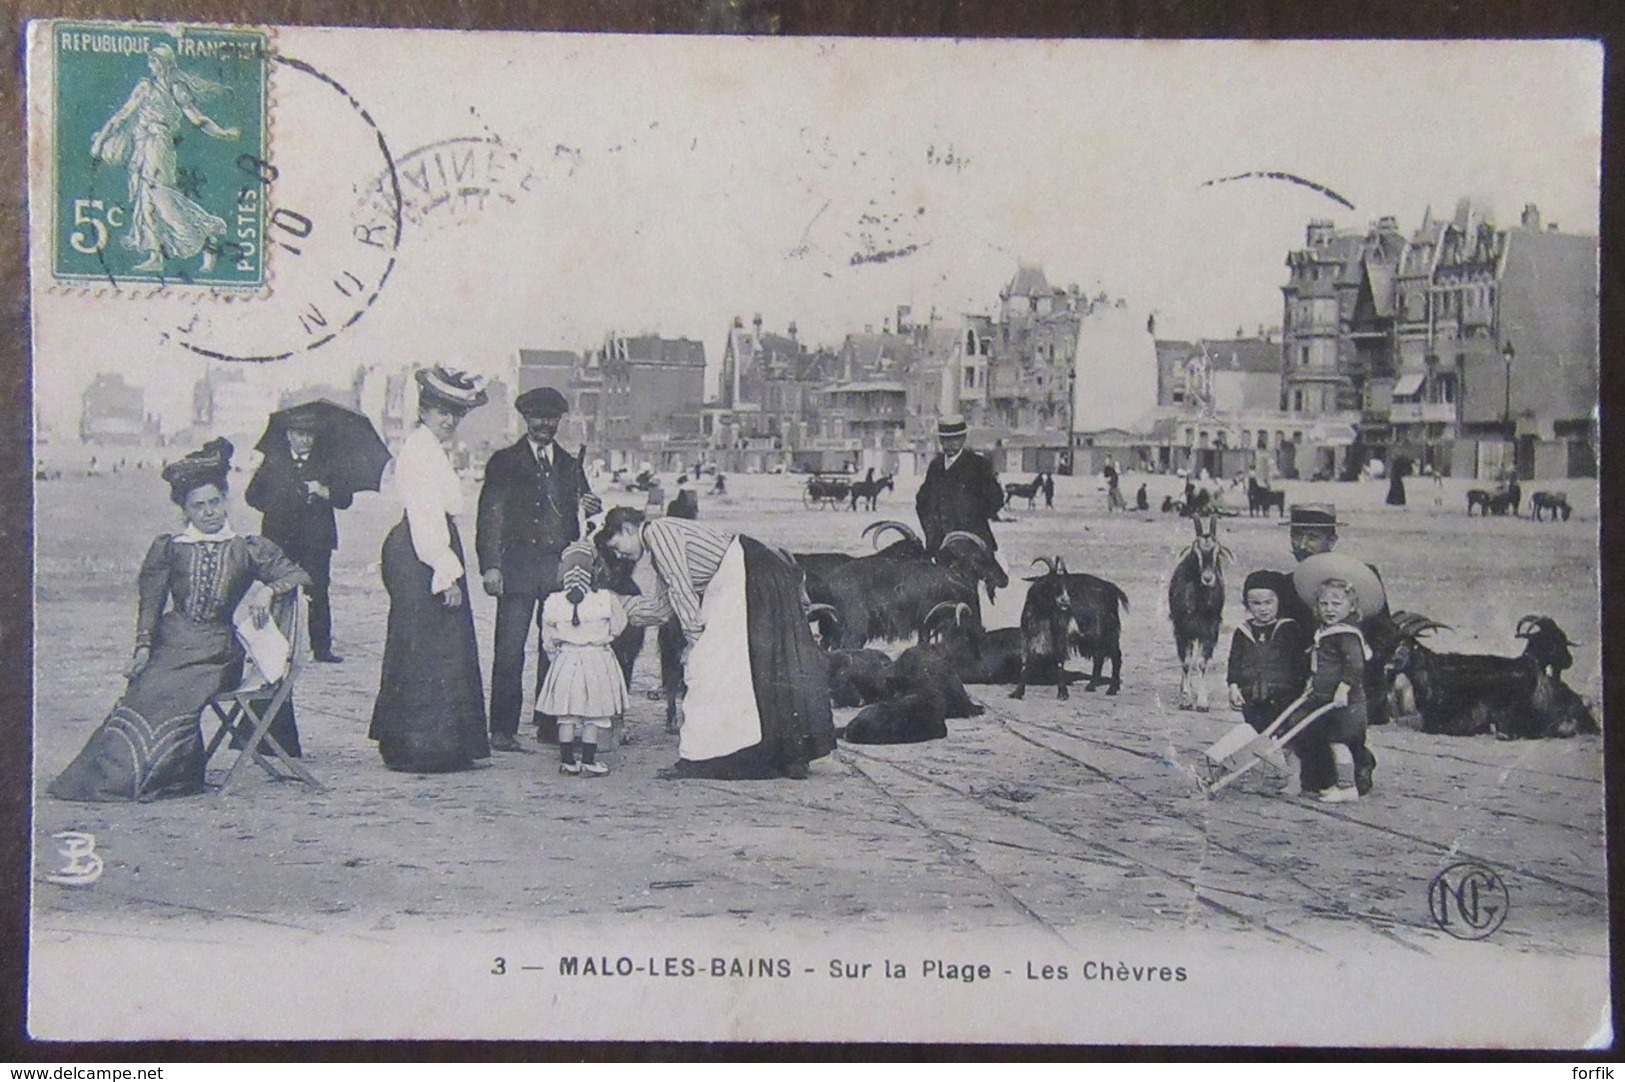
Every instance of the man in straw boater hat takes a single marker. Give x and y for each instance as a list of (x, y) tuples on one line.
[(1313, 531), (297, 490), (531, 506), (960, 491)]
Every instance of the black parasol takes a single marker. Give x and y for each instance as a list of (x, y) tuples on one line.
[(345, 441)]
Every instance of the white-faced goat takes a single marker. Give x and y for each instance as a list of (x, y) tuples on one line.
[(1196, 607)]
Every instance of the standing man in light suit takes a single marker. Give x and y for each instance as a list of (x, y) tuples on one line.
[(530, 509)]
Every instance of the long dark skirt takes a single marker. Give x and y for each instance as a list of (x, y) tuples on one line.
[(788, 678), (430, 713), (150, 747)]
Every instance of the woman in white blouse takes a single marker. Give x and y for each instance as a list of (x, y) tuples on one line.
[(430, 713)]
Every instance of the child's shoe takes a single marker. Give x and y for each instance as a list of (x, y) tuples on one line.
[(1340, 794), (569, 768), (596, 770)]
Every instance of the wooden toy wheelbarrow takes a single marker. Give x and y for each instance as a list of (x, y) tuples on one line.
[(1241, 749)]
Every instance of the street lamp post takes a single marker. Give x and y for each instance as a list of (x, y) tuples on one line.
[(1508, 353)]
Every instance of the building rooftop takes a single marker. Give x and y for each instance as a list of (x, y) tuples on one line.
[(1029, 282), (1242, 354)]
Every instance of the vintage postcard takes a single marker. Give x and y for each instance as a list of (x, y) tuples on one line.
[(592, 537)]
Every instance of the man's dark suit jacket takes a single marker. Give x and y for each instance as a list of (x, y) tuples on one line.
[(965, 498), (299, 523), (526, 517)]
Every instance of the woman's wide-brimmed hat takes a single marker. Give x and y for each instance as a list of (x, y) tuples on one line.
[(451, 389), (206, 466), (1310, 573), (1312, 516)]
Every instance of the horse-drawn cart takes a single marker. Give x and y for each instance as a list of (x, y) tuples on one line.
[(829, 490)]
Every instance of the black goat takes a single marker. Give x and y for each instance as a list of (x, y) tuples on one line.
[(888, 594), (1095, 607), (858, 677), (1047, 629), (921, 693), (1504, 498), (1470, 694), (1196, 607), (615, 575), (1555, 502), (816, 568), (1261, 498), (1547, 643), (986, 657)]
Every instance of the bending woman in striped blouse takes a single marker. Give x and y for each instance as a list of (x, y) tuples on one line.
[(741, 606)]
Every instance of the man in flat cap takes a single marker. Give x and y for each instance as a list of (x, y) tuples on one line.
[(960, 490), (530, 508)]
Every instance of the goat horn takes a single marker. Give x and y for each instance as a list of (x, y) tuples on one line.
[(1413, 623), (931, 617), (1526, 627), (1060, 566), (962, 533), (878, 528), (819, 608), (1047, 564)]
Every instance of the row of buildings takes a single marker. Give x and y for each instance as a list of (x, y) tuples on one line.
[(1462, 345)]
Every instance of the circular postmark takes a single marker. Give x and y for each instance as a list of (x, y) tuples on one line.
[(1468, 900), (332, 256)]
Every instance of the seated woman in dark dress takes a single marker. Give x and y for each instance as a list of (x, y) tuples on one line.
[(151, 746)]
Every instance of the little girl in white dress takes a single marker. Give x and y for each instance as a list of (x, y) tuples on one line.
[(584, 687)]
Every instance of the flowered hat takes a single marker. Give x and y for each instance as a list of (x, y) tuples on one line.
[(450, 388), (206, 466)]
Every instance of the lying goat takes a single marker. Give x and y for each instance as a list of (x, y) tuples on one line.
[(1470, 694), (921, 693), (858, 677)]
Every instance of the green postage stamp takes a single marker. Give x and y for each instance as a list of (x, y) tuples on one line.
[(159, 154)]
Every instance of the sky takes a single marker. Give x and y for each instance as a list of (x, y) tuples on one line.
[(671, 184)]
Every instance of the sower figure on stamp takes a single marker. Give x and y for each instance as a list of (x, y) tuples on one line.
[(530, 509), (297, 489), (960, 491)]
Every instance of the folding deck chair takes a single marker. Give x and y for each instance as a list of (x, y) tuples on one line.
[(247, 712)]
